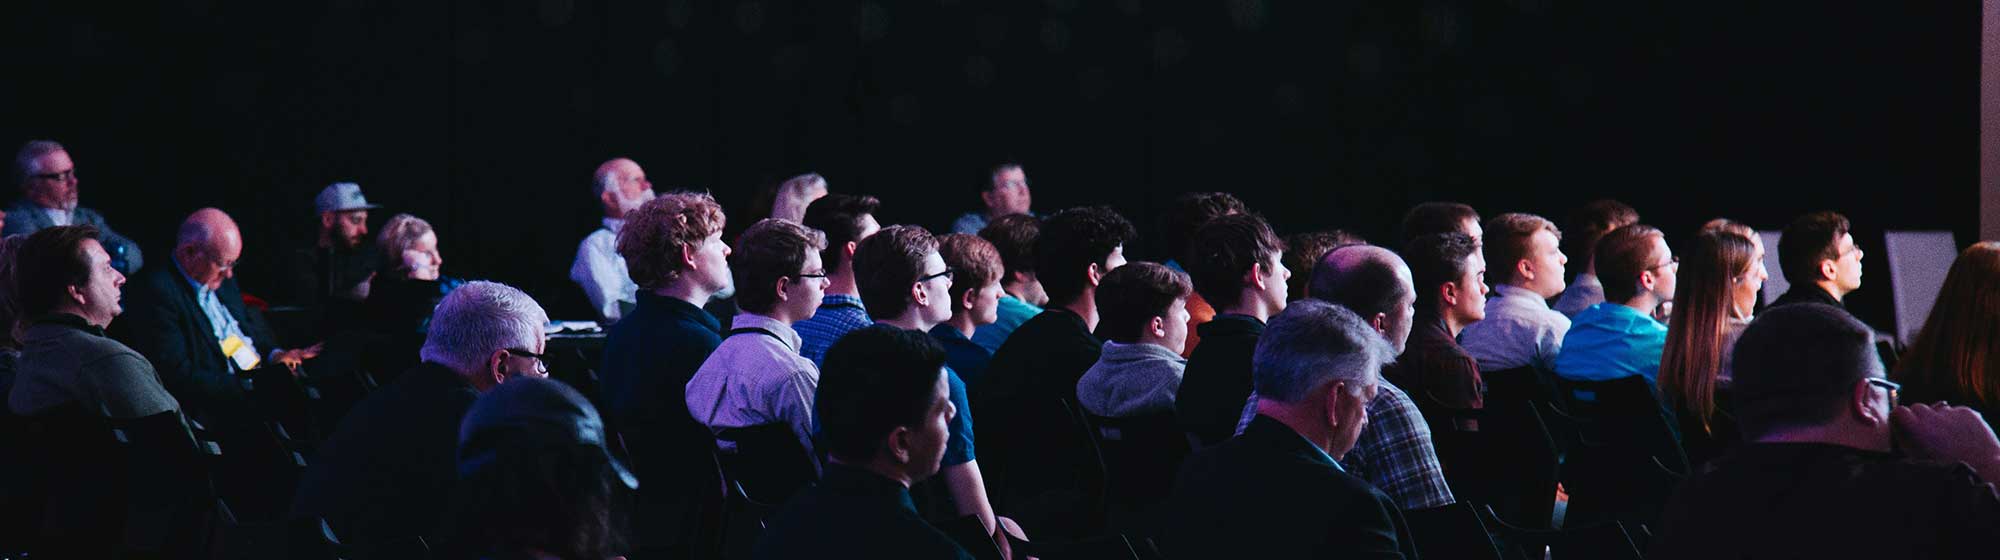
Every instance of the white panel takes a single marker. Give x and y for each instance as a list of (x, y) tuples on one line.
[(1918, 262)]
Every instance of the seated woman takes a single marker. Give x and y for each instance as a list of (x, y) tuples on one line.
[(408, 288), (1953, 359), (1718, 290)]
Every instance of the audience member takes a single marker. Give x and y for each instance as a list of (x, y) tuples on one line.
[(1956, 356), (790, 199), (1619, 337), (1821, 421), (906, 282), (846, 219), (386, 473), (1005, 193), (1450, 279), (620, 186), (1183, 218), (49, 198), (1526, 268), (1144, 322), (1717, 293), (756, 375), (1279, 490), (535, 477), (1439, 217), (883, 404), (1395, 452), (1589, 224), (673, 246), (1240, 263), (190, 322), (1819, 259), (333, 275), (1303, 251), (1022, 296), (411, 278), (975, 302), (65, 358)]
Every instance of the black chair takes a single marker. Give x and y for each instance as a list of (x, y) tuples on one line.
[(78, 471), (1626, 412), (1526, 383), (1519, 473), (1451, 532), (1051, 475), (970, 534), (769, 464), (1141, 455), (1102, 547), (1599, 541)]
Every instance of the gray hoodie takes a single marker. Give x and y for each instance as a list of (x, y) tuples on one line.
[(1131, 380)]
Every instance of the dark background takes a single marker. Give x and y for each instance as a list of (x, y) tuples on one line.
[(487, 117)]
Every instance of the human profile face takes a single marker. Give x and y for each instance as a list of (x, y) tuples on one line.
[(935, 282), (1350, 411), (1175, 326), (212, 263), (52, 183), (1744, 285), (711, 261), (1546, 259), (422, 258), (1472, 290), (805, 291), (100, 292), (1277, 278), (1665, 270), (1847, 268), (985, 306), (926, 439)]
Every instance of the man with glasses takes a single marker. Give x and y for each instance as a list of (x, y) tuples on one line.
[(756, 376), (190, 321), (48, 198), (1832, 467), (905, 284), (1820, 259), (386, 473), (1620, 338)]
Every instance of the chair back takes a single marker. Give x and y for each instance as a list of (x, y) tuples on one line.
[(1451, 532), (769, 463), (1142, 454)]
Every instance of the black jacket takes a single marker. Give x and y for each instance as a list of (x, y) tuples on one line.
[(387, 471), (164, 322), (853, 513), (1217, 382), (1269, 493)]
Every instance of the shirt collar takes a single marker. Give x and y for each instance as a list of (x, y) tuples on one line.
[(614, 224), (1517, 293), (70, 320), (784, 332), (948, 333), (199, 289), (841, 299), (679, 307)]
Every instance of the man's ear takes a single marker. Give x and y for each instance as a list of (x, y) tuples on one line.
[(783, 283), (1158, 326), (1829, 269), (848, 250), (918, 295), (899, 445), (1864, 392), (494, 370), (965, 301), (1647, 280), (687, 257), (1448, 294), (1525, 269), (1330, 400), (1094, 274), (326, 219), (76, 295), (1381, 323), (1255, 276)]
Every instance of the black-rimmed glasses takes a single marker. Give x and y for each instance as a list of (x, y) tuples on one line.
[(541, 366), (947, 274)]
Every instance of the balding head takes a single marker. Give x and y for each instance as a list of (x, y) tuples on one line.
[(208, 246), (621, 185), (1372, 282)]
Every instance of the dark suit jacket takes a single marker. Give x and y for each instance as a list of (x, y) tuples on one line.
[(1269, 493), (388, 469), (25, 217), (165, 324), (1217, 382), (1031, 453), (649, 356)]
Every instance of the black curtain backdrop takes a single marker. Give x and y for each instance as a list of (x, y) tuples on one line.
[(487, 117)]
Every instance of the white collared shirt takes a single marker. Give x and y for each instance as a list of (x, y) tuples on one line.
[(601, 272), (752, 379)]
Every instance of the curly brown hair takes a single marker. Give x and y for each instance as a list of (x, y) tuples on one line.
[(656, 235)]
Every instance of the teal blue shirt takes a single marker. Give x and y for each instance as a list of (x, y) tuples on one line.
[(1609, 341), (1012, 313)]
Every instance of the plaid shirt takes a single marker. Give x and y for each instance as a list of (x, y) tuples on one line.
[(838, 315), (1396, 455)]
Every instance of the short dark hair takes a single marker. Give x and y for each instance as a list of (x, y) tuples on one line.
[(1808, 240), (1590, 223), (1436, 217), (839, 216), (1134, 294), (772, 248), (1224, 250), (1013, 235), (993, 175), (1302, 254), (1509, 238), (1071, 241), (875, 379), (887, 264), (1797, 365), (1621, 256), (1437, 259), (56, 258), (1370, 288), (1188, 213), (972, 261)]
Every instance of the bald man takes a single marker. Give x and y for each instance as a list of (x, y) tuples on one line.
[(189, 319), (620, 185)]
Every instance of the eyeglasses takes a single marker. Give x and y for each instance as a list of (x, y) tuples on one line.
[(63, 175), (541, 367), (947, 274), (1892, 387), (1673, 262), (810, 276)]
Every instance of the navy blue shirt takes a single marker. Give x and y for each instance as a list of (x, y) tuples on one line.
[(964, 356), (649, 356)]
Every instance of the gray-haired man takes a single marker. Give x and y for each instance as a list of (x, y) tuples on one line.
[(48, 198)]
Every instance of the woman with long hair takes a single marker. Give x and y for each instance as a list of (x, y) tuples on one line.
[(1719, 282), (1954, 359)]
